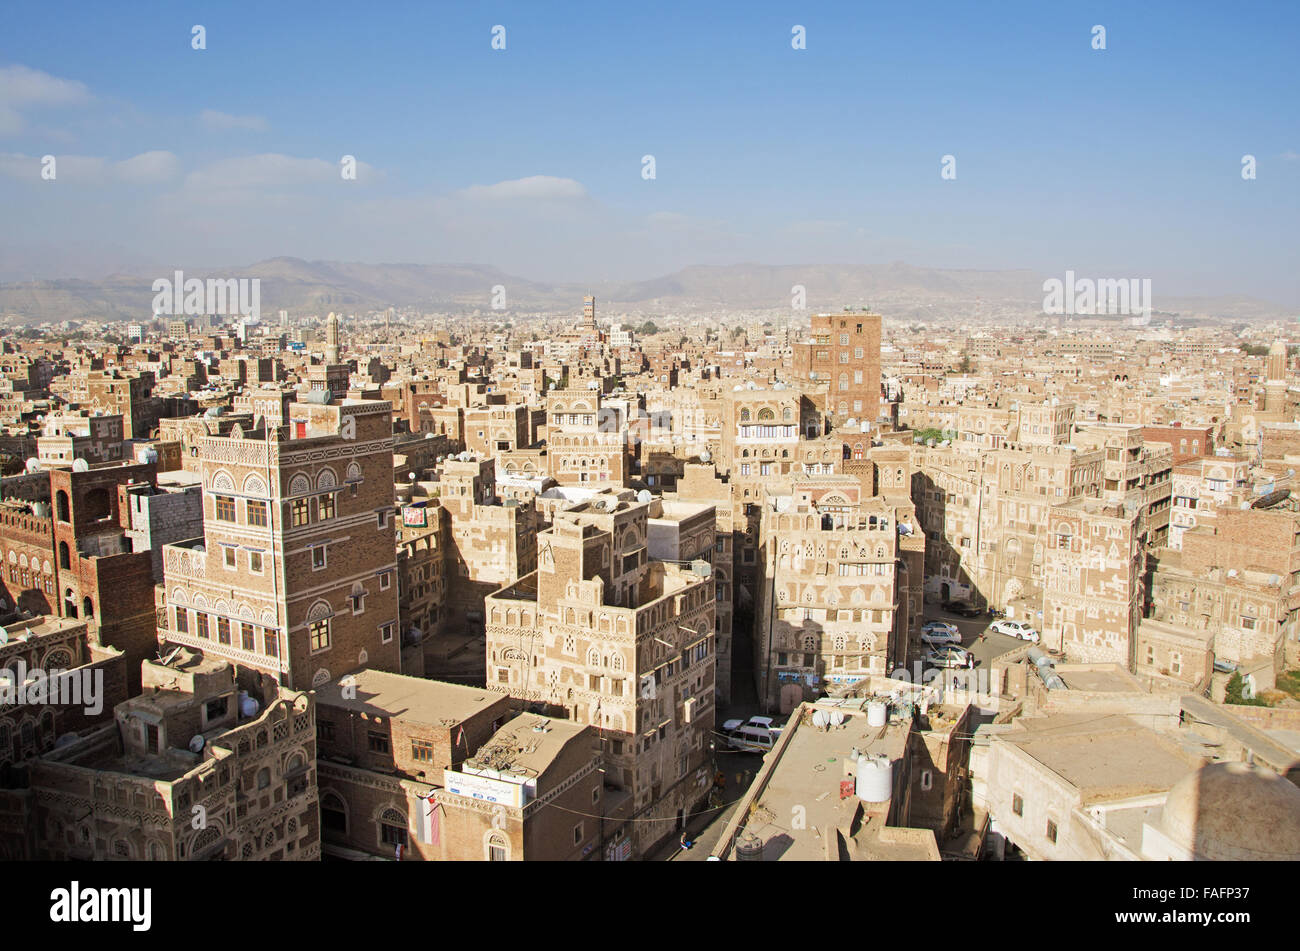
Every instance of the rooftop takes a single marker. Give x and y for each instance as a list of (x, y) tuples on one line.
[(413, 699), (806, 775), (1104, 758)]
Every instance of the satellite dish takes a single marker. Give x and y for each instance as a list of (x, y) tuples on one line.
[(33, 465), (820, 718), (644, 496), (706, 456), (837, 717), (4, 636), (197, 743), (80, 465)]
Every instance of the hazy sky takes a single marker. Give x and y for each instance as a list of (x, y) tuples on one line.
[(1123, 162)]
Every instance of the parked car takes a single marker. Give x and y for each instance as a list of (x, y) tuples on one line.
[(1020, 629), (962, 607), (949, 657), (752, 739), (764, 723), (938, 633)]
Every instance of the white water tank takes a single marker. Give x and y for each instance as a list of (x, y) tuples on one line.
[(877, 713), (875, 778)]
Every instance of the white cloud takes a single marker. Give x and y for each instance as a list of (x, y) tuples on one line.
[(22, 88), (225, 121), (147, 167), (272, 169), (545, 187)]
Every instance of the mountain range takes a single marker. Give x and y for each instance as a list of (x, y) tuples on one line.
[(900, 291)]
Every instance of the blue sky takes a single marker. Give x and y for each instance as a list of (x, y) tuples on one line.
[(1119, 162)]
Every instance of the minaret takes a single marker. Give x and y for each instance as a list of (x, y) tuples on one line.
[(1276, 361), (332, 339), (1275, 378)]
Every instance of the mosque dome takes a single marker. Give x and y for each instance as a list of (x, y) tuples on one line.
[(1234, 812)]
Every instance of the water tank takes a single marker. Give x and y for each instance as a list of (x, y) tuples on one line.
[(749, 848), (248, 706), (41, 509), (875, 778), (877, 713)]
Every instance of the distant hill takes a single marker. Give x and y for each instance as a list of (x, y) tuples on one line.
[(900, 290)]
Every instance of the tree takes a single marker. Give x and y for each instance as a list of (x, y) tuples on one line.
[(1235, 693), (965, 365), (648, 328)]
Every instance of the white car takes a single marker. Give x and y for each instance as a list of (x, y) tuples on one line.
[(763, 723), (949, 657), (1015, 629), (938, 633)]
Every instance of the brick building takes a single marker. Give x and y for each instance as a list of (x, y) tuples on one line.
[(295, 574), (844, 354), (605, 636), (417, 769)]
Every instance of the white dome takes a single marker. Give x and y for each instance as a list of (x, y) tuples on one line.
[(1234, 812)]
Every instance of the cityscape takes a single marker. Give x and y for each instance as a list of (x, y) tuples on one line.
[(611, 544)]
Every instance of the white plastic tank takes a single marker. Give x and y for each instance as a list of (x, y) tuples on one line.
[(248, 706), (875, 778), (877, 713)]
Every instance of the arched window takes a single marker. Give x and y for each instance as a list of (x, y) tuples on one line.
[(744, 415), (65, 514), (65, 560), (392, 828), (333, 813), (496, 847)]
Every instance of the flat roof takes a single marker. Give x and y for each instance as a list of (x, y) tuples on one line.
[(1107, 757), (414, 699), (808, 774), (520, 748), (1099, 678)]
